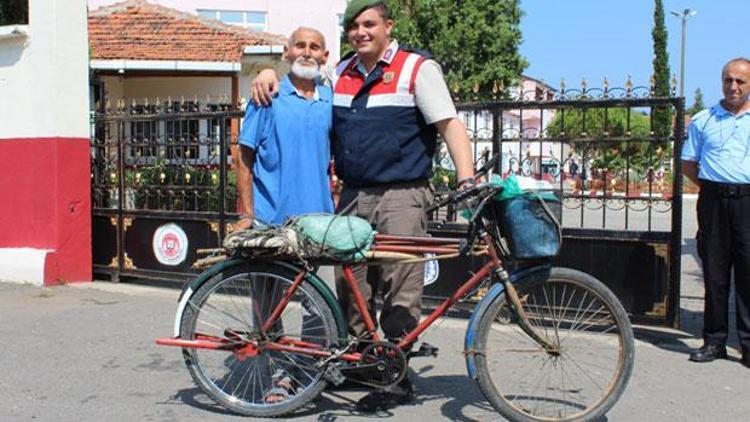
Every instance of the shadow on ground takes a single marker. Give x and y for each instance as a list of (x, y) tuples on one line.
[(464, 400)]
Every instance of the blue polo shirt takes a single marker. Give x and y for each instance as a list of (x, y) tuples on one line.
[(291, 139), (720, 143)]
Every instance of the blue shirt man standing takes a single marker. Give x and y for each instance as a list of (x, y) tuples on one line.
[(717, 158), (283, 171), (285, 147)]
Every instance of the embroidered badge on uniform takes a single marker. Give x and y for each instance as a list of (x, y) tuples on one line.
[(388, 77), (388, 54)]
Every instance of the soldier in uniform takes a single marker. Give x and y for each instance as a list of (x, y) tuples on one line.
[(389, 105)]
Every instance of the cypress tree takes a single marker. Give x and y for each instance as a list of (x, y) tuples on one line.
[(661, 116), (697, 103)]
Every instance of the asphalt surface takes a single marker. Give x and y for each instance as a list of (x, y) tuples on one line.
[(86, 352)]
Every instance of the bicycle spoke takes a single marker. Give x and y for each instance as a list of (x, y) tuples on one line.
[(586, 321), (238, 384), (575, 363), (552, 313), (538, 380), (215, 318), (291, 375), (539, 323), (294, 360), (250, 381), (245, 309), (232, 373)]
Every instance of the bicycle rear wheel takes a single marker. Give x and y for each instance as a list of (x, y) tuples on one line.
[(583, 379), (233, 308)]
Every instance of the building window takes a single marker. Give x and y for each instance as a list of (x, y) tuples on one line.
[(252, 20), (14, 12)]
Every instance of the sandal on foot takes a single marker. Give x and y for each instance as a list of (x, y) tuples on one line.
[(280, 392)]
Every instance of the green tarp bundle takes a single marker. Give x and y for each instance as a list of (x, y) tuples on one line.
[(340, 237)]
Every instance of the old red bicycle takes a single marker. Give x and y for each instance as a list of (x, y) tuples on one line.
[(543, 344)]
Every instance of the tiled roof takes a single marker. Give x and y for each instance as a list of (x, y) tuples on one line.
[(137, 30)]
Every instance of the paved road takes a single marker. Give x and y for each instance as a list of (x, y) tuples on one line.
[(86, 353)]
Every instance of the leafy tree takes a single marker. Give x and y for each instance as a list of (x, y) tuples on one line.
[(598, 123), (13, 12), (697, 103), (594, 133), (661, 116), (476, 41)]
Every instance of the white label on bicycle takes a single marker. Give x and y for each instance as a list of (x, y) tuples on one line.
[(170, 244), (431, 270)]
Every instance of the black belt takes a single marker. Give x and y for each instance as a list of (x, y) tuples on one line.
[(726, 189)]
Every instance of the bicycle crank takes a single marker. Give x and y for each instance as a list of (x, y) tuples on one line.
[(381, 364)]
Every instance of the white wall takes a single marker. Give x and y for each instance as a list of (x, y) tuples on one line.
[(140, 88), (284, 16), (44, 76), (287, 15)]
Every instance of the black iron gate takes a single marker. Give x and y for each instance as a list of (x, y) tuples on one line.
[(163, 185), (613, 156)]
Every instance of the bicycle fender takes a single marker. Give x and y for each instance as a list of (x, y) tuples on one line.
[(492, 294), (319, 285), (190, 288)]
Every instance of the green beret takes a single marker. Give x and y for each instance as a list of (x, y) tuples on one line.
[(355, 7)]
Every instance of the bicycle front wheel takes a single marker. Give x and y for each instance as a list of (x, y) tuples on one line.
[(232, 308), (585, 374)]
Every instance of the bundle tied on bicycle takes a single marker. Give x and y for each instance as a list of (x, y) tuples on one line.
[(326, 237), (528, 215)]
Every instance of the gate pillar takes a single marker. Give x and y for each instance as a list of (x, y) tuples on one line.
[(45, 221)]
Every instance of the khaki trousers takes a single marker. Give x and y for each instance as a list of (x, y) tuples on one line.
[(397, 209)]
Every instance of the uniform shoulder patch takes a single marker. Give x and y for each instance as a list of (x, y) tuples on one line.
[(424, 53)]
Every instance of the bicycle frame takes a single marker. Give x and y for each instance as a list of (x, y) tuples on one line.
[(383, 243), (338, 357)]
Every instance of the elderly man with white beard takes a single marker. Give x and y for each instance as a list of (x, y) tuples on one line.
[(285, 146), (283, 169)]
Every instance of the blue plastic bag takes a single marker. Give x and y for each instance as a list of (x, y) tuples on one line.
[(530, 226)]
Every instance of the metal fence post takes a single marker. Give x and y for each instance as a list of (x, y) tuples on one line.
[(673, 312)]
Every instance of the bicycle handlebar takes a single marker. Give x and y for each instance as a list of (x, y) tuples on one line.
[(454, 196), (458, 196)]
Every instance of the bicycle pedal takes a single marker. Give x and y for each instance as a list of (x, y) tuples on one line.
[(425, 349), (334, 375)]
